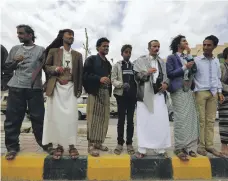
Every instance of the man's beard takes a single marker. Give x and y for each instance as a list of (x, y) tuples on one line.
[(25, 41), (105, 52), (69, 43)]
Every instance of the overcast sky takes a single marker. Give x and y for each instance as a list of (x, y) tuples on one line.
[(132, 22)]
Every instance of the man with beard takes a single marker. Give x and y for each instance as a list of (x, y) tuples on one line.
[(208, 90), (153, 131), (24, 59), (64, 68), (180, 71), (96, 81), (125, 93)]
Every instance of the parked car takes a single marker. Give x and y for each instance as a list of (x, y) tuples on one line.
[(113, 107), (170, 107), (82, 104), (4, 95)]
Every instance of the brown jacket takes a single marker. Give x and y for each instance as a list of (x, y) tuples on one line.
[(54, 59)]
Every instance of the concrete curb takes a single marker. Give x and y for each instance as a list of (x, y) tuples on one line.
[(112, 167)]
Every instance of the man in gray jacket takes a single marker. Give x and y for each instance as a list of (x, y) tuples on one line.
[(125, 92), (24, 60), (153, 130)]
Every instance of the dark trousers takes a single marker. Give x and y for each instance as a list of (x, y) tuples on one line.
[(17, 103), (126, 105)]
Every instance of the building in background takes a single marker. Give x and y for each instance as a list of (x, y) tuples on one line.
[(198, 50)]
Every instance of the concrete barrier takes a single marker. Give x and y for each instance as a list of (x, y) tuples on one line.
[(33, 167)]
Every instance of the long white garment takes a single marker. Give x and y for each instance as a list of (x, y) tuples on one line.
[(61, 117), (154, 64), (153, 131)]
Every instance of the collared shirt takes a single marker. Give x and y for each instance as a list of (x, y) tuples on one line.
[(154, 64), (183, 59), (208, 75), (67, 58)]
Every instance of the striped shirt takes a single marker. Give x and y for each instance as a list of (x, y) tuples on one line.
[(208, 75)]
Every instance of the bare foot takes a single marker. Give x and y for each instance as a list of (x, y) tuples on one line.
[(214, 152), (139, 155), (224, 149)]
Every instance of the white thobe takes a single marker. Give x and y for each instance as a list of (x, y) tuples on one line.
[(61, 114), (153, 130)]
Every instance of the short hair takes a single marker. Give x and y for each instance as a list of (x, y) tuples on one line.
[(225, 53), (28, 29), (175, 42), (149, 43), (213, 38), (124, 47), (101, 40)]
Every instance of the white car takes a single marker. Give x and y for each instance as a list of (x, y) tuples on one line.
[(81, 113), (170, 107)]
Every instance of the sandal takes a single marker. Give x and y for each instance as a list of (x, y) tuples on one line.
[(192, 154), (118, 149), (73, 153), (11, 155), (130, 150), (164, 155), (101, 147), (58, 152), (93, 151), (202, 151), (181, 155), (139, 155)]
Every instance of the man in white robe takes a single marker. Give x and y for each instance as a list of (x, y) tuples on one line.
[(64, 69), (153, 131)]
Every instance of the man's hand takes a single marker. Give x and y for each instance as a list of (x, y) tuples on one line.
[(18, 58), (126, 86), (152, 70), (221, 98), (79, 94), (189, 64), (105, 80), (59, 70), (163, 87)]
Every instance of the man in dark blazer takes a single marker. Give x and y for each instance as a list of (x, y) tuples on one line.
[(180, 70)]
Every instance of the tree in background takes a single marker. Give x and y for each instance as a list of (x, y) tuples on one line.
[(86, 45)]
